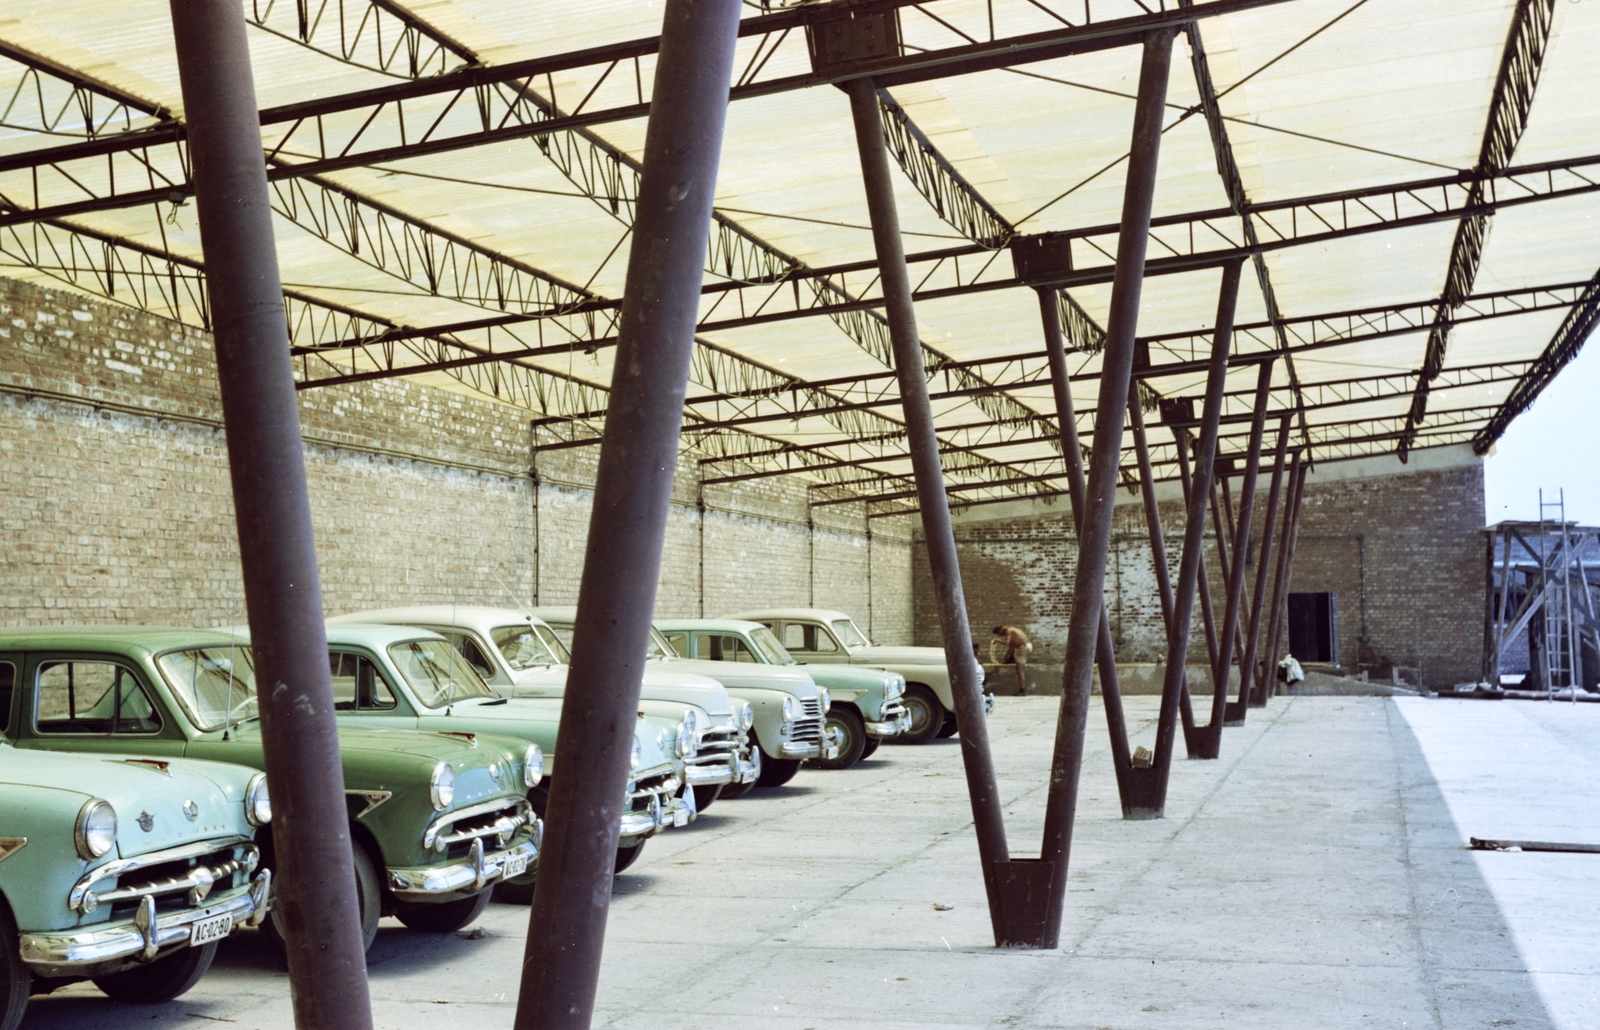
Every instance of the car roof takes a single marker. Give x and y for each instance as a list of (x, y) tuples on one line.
[(468, 616), (126, 639), (713, 625), (556, 612), (821, 614), (375, 635)]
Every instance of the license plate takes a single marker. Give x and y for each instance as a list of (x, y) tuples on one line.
[(515, 864), (207, 930), (680, 817)]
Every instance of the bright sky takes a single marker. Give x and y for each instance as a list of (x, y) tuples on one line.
[(1553, 445)]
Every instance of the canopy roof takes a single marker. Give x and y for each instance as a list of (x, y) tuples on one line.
[(1413, 185)]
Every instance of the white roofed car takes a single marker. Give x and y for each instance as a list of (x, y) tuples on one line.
[(788, 705), (824, 636), (519, 655)]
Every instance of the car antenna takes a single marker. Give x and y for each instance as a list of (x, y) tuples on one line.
[(455, 593), (512, 594)]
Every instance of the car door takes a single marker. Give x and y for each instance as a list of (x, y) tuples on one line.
[(93, 702), (362, 694), (811, 642)]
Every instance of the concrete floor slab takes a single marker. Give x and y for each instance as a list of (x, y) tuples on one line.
[(1314, 876)]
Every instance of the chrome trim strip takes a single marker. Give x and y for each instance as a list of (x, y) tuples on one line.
[(123, 866), (430, 836)]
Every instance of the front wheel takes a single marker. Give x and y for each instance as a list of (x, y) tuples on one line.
[(162, 980), (368, 896), (927, 715), (950, 726), (844, 728), (446, 918), (733, 791), (870, 746), (627, 855), (15, 979), (703, 796), (775, 772)]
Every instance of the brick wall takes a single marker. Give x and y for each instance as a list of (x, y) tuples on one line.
[(1402, 539), (117, 505)]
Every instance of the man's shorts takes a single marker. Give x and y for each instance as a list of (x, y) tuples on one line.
[(1018, 656)]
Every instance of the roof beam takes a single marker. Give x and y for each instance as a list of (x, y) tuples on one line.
[(1509, 105), (378, 35)]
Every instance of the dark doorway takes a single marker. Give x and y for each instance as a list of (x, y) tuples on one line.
[(1314, 627)]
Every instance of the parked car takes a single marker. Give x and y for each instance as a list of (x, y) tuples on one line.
[(788, 705), (404, 676), (122, 870), (865, 705), (436, 819), (519, 655), (821, 636)]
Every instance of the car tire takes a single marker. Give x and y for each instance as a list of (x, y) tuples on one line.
[(927, 715), (369, 896), (703, 796), (733, 791), (15, 979), (949, 728), (845, 727), (775, 772), (628, 855), (162, 980), (446, 918), (870, 746)]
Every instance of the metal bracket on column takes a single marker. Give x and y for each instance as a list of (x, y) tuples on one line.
[(854, 39), (1023, 885)]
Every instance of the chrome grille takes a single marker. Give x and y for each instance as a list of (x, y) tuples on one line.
[(812, 706), (807, 731)]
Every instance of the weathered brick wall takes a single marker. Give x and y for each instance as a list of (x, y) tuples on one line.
[(117, 505), (1403, 540)]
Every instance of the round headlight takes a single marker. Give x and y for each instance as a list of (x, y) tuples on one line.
[(532, 766), (97, 828), (691, 720), (747, 716), (894, 686), (442, 788), (257, 803), (685, 743), (788, 708), (827, 698), (636, 756)]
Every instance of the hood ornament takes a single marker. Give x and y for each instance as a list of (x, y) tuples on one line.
[(146, 821), (191, 810)]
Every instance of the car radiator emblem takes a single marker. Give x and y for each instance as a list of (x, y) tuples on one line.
[(146, 821), (191, 810)]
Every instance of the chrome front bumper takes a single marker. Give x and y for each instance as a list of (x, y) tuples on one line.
[(734, 766), (470, 876), (893, 720), (109, 947), (661, 811)]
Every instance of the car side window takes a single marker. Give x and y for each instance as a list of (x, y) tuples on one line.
[(808, 637), (8, 683), (726, 648), (679, 642), (357, 684), (92, 697)]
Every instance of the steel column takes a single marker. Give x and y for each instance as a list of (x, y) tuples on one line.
[(1194, 530), (1014, 888), (1094, 539), (1247, 666), (1292, 534), (283, 596), (633, 488), (1211, 740), (1181, 439), (1265, 676), (1077, 490)]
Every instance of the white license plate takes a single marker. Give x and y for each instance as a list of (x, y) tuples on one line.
[(680, 817), (207, 930), (515, 864)]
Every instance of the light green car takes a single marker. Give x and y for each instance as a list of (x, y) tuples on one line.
[(121, 869), (437, 819), (413, 678), (866, 706)]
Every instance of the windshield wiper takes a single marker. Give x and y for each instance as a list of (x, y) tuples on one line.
[(496, 701)]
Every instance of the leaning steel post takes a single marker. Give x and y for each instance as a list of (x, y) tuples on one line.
[(1194, 530), (633, 488), (1094, 539), (277, 553), (1077, 489), (1010, 886), (1211, 740), (1248, 673)]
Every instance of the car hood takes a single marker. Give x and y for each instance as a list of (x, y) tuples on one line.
[(669, 683), (885, 654), (846, 677), (144, 791), (791, 679)]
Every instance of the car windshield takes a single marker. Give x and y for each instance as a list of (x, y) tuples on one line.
[(658, 646), (848, 635), (521, 647), (437, 673), (554, 643), (771, 650), (215, 685)]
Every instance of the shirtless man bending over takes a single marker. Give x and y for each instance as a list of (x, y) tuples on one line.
[(1017, 651)]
